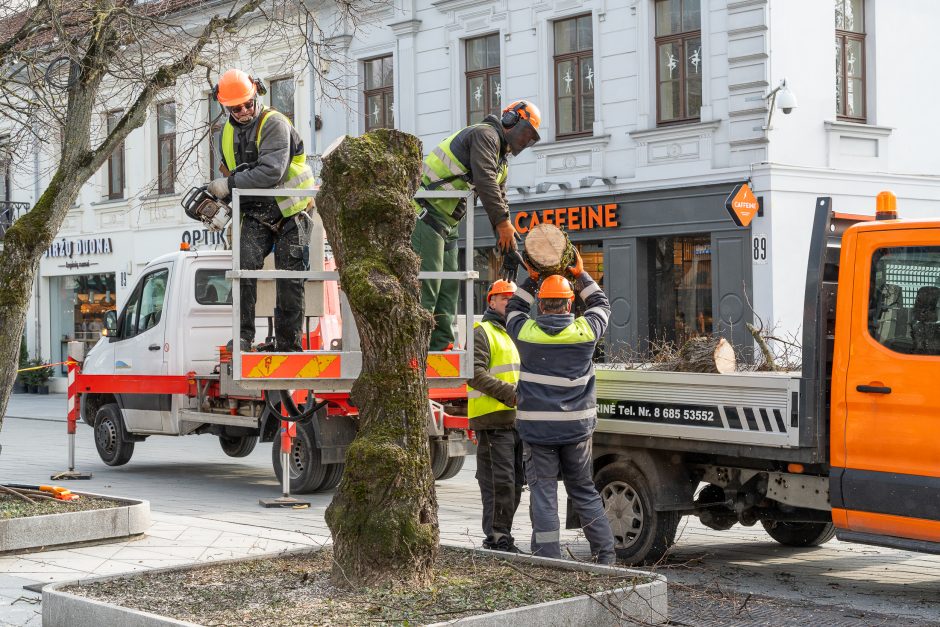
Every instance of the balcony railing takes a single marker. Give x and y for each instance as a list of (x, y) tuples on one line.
[(9, 213)]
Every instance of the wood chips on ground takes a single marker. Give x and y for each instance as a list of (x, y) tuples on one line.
[(15, 507), (296, 590)]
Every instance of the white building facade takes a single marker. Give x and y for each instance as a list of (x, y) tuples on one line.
[(653, 110)]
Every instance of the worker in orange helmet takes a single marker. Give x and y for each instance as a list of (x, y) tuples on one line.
[(261, 149), (473, 158), (491, 407), (556, 409)]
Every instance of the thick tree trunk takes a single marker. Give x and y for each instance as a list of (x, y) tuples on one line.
[(384, 515), (711, 354), (548, 250)]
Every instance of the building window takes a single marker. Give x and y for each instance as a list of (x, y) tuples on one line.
[(282, 97), (483, 82), (574, 76), (850, 60), (115, 161), (680, 288), (678, 61), (4, 169), (217, 119), (166, 147), (379, 93)]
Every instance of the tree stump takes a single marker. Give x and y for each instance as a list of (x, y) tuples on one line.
[(384, 515), (710, 354), (548, 250)]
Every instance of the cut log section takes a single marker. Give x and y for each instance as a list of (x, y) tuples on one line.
[(548, 250), (709, 354)]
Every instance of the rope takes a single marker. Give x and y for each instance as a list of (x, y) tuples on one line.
[(58, 363)]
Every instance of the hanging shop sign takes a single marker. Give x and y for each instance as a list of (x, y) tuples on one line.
[(586, 217), (742, 204), (203, 237), (81, 247)]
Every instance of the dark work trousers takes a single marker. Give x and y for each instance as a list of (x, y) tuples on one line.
[(542, 464), (437, 295), (499, 473), (257, 240)]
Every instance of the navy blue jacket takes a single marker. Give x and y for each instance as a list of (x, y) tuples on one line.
[(555, 400)]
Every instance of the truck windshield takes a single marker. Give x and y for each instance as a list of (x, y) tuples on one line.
[(904, 299), (212, 288)]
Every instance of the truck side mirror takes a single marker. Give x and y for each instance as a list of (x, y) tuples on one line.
[(110, 324)]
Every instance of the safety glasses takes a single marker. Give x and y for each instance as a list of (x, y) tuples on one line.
[(248, 106)]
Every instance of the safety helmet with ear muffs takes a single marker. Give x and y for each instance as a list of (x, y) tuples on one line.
[(521, 110), (237, 87)]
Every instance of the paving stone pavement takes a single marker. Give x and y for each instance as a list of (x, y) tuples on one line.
[(205, 507)]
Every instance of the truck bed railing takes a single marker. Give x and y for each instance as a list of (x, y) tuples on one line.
[(336, 370)]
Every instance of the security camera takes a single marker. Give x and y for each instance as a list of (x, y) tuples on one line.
[(786, 101)]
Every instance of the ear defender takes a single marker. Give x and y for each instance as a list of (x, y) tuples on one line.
[(259, 84), (511, 118)]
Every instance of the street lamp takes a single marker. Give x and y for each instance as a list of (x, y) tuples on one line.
[(781, 98)]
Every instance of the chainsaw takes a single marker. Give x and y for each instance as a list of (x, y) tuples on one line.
[(200, 205)]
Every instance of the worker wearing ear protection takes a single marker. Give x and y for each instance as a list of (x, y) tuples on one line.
[(261, 149), (473, 158)]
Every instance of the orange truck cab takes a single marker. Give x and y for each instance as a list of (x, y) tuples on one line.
[(885, 412), (847, 447)]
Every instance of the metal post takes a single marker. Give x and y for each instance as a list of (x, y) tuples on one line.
[(72, 419), (287, 435)]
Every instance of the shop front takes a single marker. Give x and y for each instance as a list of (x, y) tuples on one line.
[(672, 262)]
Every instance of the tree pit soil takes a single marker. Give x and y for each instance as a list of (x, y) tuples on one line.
[(15, 507), (296, 590)]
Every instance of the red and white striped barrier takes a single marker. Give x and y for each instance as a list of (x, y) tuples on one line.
[(72, 421)]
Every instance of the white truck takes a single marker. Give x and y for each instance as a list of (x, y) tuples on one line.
[(161, 369)]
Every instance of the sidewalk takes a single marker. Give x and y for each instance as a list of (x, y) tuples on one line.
[(38, 406)]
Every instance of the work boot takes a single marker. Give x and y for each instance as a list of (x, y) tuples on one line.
[(243, 345), (506, 545)]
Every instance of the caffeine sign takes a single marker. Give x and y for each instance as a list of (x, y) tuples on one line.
[(604, 216), (742, 204)]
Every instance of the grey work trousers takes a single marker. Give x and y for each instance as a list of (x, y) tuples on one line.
[(499, 473), (542, 466)]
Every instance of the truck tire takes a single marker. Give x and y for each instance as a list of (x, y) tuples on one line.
[(239, 446), (454, 465), (334, 474), (438, 458), (799, 533), (307, 471), (641, 534), (113, 448)]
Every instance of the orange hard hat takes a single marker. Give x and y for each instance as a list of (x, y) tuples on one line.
[(235, 88), (556, 286), (522, 110), (501, 287)]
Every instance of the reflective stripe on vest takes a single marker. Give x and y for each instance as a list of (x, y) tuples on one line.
[(442, 171), (299, 175), (504, 365)]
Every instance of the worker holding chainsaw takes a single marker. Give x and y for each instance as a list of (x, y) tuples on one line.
[(261, 149), (474, 158)]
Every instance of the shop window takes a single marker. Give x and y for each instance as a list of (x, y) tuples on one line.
[(78, 305), (379, 95), (680, 288), (115, 161), (678, 60), (904, 313), (486, 261), (145, 308), (850, 60), (212, 288), (282, 97), (166, 147), (217, 119), (574, 76), (483, 79)]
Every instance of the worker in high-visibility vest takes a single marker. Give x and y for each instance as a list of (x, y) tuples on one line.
[(491, 400), (261, 149), (473, 158)]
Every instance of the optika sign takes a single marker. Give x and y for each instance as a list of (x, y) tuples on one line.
[(70, 248)]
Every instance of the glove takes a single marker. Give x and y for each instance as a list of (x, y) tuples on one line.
[(578, 266), (510, 266), (507, 236), (218, 188)]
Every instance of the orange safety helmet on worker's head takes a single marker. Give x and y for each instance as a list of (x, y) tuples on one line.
[(521, 121), (501, 287), (237, 87), (556, 286)]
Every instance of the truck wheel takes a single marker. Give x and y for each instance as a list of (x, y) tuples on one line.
[(334, 473), (438, 458), (240, 446), (113, 449), (307, 471), (454, 465), (641, 534), (799, 533)]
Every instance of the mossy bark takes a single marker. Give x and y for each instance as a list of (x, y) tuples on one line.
[(384, 515)]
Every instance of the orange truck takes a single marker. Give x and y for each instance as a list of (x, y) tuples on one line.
[(848, 447)]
